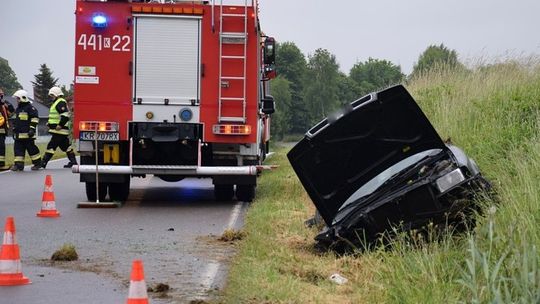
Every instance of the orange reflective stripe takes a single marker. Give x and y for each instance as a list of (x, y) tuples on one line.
[(9, 252), (48, 196)]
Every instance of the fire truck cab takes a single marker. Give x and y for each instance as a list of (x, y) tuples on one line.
[(174, 89)]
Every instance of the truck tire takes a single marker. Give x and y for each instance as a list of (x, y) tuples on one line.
[(224, 193), (119, 191), (245, 193), (91, 191)]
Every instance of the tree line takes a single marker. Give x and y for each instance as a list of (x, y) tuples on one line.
[(43, 81), (306, 90)]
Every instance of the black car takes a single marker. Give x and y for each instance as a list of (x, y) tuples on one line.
[(379, 164)]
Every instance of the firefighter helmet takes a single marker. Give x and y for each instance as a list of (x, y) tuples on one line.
[(56, 91), (22, 95)]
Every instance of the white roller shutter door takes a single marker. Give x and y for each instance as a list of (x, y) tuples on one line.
[(167, 60)]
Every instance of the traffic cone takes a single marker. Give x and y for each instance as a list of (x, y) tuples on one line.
[(10, 262), (137, 285), (48, 205)]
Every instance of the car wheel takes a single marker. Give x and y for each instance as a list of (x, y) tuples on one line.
[(224, 192), (91, 191), (245, 193)]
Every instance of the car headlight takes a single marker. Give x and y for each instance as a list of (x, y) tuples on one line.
[(449, 180)]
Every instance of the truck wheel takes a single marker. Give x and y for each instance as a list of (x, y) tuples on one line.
[(224, 192), (245, 193), (91, 191), (119, 191)]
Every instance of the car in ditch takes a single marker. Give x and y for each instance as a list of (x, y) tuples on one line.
[(378, 164)]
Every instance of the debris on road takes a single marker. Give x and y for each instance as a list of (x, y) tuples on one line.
[(159, 288), (338, 279), (231, 235), (66, 253), (198, 301)]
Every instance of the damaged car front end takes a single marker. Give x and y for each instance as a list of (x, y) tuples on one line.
[(379, 164)]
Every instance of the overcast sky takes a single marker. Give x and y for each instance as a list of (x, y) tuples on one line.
[(33, 32)]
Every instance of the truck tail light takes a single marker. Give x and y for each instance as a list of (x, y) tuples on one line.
[(232, 129), (100, 126)]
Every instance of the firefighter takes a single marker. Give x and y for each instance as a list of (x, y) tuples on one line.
[(6, 109), (58, 127), (24, 132)]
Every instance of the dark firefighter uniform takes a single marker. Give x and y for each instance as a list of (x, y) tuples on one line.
[(6, 109), (24, 133), (59, 116)]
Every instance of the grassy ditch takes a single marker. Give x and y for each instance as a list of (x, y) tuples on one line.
[(493, 113)]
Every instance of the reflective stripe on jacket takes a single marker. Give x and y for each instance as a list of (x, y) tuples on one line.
[(26, 118)]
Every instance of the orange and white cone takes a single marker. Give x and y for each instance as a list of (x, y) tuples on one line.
[(137, 285), (48, 205), (10, 261)]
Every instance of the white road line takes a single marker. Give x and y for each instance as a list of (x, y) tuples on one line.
[(210, 275), (234, 215), (212, 268)]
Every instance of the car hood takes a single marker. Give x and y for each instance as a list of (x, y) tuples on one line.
[(349, 148)]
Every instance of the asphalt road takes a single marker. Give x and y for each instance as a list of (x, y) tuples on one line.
[(172, 227)]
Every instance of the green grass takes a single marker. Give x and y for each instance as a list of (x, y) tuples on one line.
[(42, 147), (292, 137), (494, 115)]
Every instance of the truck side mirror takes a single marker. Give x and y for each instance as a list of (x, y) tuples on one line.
[(268, 106), (269, 50)]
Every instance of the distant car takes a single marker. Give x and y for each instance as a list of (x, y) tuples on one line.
[(379, 164)]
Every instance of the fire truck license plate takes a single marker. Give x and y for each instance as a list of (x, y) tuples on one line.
[(109, 136)]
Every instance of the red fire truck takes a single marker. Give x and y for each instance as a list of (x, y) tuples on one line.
[(174, 89)]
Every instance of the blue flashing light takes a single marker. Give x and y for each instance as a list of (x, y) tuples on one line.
[(99, 20)]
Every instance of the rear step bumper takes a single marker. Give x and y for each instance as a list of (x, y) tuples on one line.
[(169, 170)]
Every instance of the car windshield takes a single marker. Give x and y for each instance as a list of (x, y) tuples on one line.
[(372, 185)]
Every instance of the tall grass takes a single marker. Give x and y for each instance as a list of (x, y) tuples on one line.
[(493, 113)]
